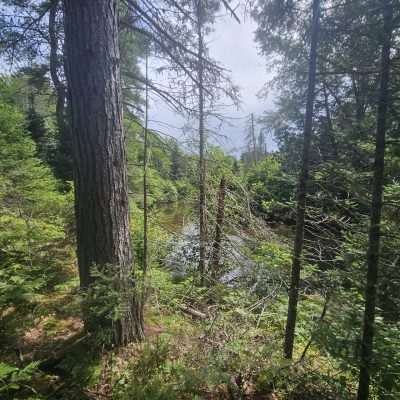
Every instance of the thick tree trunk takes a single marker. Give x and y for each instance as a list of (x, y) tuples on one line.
[(376, 210), (100, 172), (219, 226), (202, 142), (302, 187)]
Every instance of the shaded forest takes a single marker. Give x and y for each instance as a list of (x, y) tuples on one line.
[(138, 263)]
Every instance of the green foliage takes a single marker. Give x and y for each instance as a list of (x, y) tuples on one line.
[(275, 255), (273, 265), (167, 170), (340, 335), (33, 215), (144, 379), (157, 236), (158, 375), (30, 93), (82, 365), (101, 303), (271, 188), (13, 380), (305, 382)]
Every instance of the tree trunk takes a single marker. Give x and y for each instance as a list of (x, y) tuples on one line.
[(302, 187), (253, 138), (100, 171), (64, 156), (329, 125), (202, 165), (216, 254), (145, 190), (54, 65), (376, 209), (145, 164)]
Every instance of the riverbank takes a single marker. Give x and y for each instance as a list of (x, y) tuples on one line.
[(222, 341)]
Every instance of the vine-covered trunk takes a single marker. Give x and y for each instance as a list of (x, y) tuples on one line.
[(302, 187), (100, 171), (376, 209)]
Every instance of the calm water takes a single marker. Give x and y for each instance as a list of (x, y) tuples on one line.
[(174, 216)]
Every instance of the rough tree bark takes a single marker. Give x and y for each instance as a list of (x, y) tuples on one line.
[(302, 187), (100, 172), (219, 225), (376, 208), (202, 140)]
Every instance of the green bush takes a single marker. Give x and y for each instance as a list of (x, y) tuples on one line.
[(143, 379), (15, 383), (271, 187), (33, 215)]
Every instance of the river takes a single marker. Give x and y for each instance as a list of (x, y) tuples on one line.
[(183, 257)]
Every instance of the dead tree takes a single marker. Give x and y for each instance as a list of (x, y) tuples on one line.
[(219, 225), (202, 142)]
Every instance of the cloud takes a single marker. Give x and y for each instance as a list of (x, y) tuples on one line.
[(232, 45)]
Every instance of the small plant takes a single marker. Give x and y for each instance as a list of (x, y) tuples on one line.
[(104, 302), (14, 380), (144, 379)]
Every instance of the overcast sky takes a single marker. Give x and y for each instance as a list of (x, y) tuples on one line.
[(233, 45)]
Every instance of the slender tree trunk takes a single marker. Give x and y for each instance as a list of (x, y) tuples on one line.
[(100, 171), (64, 162), (320, 320), (219, 226), (265, 147), (302, 188), (253, 139), (331, 133), (145, 191), (145, 170), (54, 66), (376, 209), (202, 143)]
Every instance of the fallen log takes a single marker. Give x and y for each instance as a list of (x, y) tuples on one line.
[(57, 355), (191, 311)]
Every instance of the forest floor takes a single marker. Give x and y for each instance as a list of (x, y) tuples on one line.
[(232, 351)]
